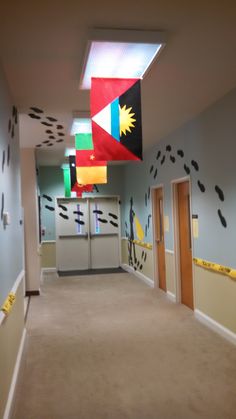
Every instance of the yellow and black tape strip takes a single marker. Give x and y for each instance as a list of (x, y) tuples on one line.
[(143, 244), (8, 303), (225, 270)]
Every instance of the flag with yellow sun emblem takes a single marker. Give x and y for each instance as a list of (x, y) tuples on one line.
[(116, 119)]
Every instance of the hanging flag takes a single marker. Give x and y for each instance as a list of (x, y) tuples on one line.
[(74, 185), (80, 189), (66, 176), (116, 119), (91, 174), (83, 141), (88, 158)]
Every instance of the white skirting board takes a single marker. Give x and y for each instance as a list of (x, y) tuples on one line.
[(171, 296), (48, 270), (139, 275), (7, 413), (217, 327)]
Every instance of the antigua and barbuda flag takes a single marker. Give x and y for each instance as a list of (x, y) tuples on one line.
[(116, 119)]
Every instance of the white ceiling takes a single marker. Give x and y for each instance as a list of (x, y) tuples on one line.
[(42, 45)]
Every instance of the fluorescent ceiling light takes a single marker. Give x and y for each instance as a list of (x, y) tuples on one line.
[(81, 126), (120, 54)]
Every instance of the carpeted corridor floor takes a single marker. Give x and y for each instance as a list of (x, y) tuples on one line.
[(110, 347)]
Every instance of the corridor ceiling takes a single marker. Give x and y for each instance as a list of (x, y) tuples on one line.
[(42, 45)]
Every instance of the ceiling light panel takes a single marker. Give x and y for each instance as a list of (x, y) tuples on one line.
[(81, 126), (120, 54)]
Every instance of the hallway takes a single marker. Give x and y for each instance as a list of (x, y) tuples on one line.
[(110, 347)]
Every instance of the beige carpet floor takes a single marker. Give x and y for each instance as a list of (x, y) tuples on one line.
[(110, 347)]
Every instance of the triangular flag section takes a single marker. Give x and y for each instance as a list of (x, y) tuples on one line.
[(116, 119)]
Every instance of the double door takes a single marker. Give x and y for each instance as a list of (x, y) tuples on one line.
[(87, 233)]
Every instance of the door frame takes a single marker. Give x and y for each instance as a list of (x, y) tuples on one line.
[(89, 197), (175, 215), (154, 244)]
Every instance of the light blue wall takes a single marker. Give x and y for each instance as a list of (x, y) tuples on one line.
[(11, 237), (210, 140), (50, 180)]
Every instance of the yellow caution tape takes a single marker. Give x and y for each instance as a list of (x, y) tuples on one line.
[(8, 303), (225, 270), (143, 244)]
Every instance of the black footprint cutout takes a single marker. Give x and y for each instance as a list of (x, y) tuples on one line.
[(201, 186), (63, 216), (186, 168), (47, 197), (163, 160), (180, 153), (222, 218), (149, 191), (8, 154), (33, 116), (168, 148), (220, 193), (158, 155), (2, 206), (113, 223), (51, 119), (145, 199), (47, 124), (3, 159), (60, 127), (151, 169), (35, 109), (195, 165), (80, 222), (49, 131), (63, 207), (113, 215), (155, 174), (49, 208), (172, 158)]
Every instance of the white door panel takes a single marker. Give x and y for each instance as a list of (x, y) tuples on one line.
[(104, 233), (87, 233), (105, 251), (72, 250)]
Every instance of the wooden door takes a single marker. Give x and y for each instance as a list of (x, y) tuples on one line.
[(185, 244), (159, 238)]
